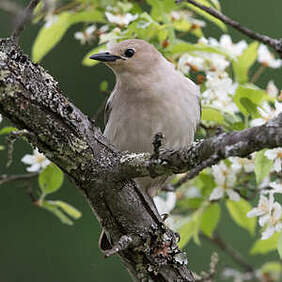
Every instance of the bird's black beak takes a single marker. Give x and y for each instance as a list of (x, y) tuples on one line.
[(105, 57)]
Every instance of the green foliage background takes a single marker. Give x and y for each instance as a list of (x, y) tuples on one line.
[(34, 245)]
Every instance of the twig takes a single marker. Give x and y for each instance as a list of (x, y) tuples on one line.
[(276, 44), (234, 254), (208, 276), (23, 18), (10, 178), (257, 74), (14, 135), (123, 244)]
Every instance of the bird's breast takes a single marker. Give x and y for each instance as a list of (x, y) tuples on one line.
[(134, 122)]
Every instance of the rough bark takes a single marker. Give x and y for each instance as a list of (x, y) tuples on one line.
[(31, 99)]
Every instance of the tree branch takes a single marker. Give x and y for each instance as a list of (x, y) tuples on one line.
[(234, 254), (10, 178), (23, 18), (206, 152), (31, 99), (276, 44)]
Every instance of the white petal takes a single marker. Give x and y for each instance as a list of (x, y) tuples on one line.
[(254, 212), (277, 165), (35, 167), (216, 194), (270, 154), (264, 219), (1, 118), (267, 233), (171, 200), (28, 159), (233, 195)]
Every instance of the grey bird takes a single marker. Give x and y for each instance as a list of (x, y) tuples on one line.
[(149, 97)]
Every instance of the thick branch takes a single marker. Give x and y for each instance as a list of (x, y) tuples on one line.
[(276, 44), (31, 99), (206, 152)]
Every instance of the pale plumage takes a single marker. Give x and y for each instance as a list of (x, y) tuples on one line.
[(150, 96)]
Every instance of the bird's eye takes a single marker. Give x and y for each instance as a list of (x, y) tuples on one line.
[(129, 53)]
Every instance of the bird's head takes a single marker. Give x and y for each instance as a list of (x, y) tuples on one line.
[(133, 56)]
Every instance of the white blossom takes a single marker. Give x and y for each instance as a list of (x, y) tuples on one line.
[(267, 113), (220, 89), (165, 205), (270, 213), (1, 118), (215, 62), (264, 206), (225, 179), (276, 156), (37, 161), (50, 20), (225, 42), (187, 62), (266, 58), (119, 19), (237, 275), (245, 164), (274, 221), (272, 89), (111, 36), (188, 16), (276, 187), (87, 35)]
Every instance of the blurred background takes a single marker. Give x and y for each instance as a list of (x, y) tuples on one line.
[(34, 245)]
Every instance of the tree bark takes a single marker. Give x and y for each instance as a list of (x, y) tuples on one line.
[(31, 99)]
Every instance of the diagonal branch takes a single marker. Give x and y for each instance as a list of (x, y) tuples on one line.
[(23, 18), (276, 44), (31, 99), (206, 152)]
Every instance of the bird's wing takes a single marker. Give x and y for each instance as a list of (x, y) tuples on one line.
[(107, 112)]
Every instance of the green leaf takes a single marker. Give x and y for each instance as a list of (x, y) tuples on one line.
[(273, 267), (279, 245), (91, 16), (50, 179), (49, 36), (182, 47), (160, 8), (206, 15), (243, 63), (238, 211), (262, 166), (56, 211), (210, 219), (185, 204), (2, 147), (248, 98), (265, 246), (88, 62), (68, 209), (186, 232), (212, 114), (7, 130)]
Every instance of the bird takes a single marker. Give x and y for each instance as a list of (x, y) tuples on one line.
[(150, 97)]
